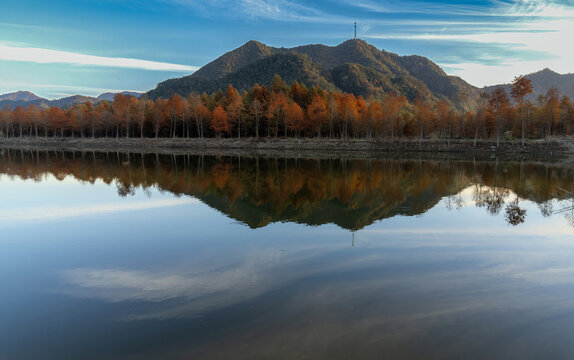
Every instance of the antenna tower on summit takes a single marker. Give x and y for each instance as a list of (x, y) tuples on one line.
[(355, 30)]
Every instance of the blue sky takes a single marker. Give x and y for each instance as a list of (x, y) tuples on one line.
[(58, 48)]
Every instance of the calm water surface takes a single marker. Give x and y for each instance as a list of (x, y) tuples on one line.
[(117, 256)]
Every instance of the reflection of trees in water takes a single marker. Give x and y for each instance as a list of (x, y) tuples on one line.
[(513, 214), (455, 200), (567, 207), (125, 189), (546, 208), (350, 193), (494, 200), (491, 198)]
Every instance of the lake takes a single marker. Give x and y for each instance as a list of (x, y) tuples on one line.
[(155, 256)]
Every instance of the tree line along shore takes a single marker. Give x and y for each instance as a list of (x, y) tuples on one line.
[(295, 111)]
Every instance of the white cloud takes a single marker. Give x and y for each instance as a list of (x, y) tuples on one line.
[(200, 288), (65, 90), (46, 56), (418, 7), (533, 34), (504, 72), (281, 10), (60, 212)]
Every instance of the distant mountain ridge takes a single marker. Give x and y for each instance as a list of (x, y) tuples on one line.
[(26, 98), (109, 96), (20, 96), (542, 81), (353, 66)]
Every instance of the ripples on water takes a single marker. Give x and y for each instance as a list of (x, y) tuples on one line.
[(121, 256)]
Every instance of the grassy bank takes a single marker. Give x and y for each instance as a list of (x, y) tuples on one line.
[(552, 150)]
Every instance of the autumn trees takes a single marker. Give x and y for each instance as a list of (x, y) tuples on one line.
[(521, 86), (235, 108), (498, 104), (219, 121), (294, 119), (292, 186), (316, 116), (297, 111), (392, 105)]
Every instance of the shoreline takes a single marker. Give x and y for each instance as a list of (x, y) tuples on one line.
[(554, 150)]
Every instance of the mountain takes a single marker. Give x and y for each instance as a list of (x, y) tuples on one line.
[(109, 96), (541, 82), (353, 66), (26, 98), (435, 78), (232, 61), (292, 67), (63, 103), (20, 96), (67, 102)]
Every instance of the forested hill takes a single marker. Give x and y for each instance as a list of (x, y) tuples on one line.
[(542, 81), (63, 103), (26, 98), (353, 66)]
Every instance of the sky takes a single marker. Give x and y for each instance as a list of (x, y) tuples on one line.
[(59, 48)]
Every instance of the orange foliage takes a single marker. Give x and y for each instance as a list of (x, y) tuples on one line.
[(219, 122), (294, 118), (316, 116)]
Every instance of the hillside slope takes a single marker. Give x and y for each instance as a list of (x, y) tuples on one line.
[(352, 66), (26, 98), (542, 81)]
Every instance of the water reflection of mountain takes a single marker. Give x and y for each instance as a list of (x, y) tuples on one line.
[(349, 193)]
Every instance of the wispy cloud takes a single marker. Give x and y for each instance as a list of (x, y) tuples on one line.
[(492, 8), (199, 289), (535, 8), (46, 56), (509, 38), (279, 10), (417, 7), (19, 215), (26, 26), (67, 89)]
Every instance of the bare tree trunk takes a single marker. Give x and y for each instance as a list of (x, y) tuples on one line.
[(421, 131), (522, 123), (449, 129), (475, 133), (498, 132), (142, 122)]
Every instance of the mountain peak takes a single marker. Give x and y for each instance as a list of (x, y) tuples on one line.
[(356, 44), (233, 60), (542, 81), (109, 96), (545, 71), (254, 43), (20, 96), (353, 66)]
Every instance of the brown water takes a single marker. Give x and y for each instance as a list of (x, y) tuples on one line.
[(117, 256)]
